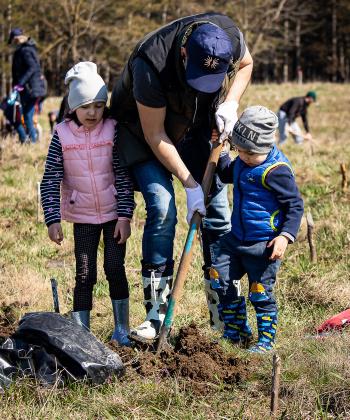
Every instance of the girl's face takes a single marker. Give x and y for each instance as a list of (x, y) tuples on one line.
[(91, 114)]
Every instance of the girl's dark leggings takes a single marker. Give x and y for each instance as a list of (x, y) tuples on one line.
[(86, 241)]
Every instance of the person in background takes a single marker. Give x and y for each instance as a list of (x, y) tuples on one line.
[(180, 81), (287, 114), (266, 216), (84, 184), (27, 80)]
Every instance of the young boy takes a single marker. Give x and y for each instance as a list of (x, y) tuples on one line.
[(266, 217)]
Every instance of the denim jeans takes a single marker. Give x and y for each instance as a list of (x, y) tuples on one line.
[(28, 109), (237, 258), (156, 186), (282, 123), (21, 132)]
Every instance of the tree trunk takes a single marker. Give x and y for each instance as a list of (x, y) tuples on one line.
[(3, 62), (334, 41), (9, 27), (299, 72), (286, 48), (165, 13)]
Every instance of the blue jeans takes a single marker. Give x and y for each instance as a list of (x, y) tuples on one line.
[(156, 186), (282, 122), (21, 132), (28, 109), (237, 258)]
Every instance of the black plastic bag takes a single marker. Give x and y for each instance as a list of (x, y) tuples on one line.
[(52, 347)]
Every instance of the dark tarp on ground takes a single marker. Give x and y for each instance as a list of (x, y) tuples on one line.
[(53, 348)]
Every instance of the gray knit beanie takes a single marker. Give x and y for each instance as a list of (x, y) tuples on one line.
[(254, 131), (85, 85)]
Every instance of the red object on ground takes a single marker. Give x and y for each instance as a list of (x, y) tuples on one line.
[(336, 322)]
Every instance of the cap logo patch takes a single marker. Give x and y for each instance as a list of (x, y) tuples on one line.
[(211, 62), (245, 132)]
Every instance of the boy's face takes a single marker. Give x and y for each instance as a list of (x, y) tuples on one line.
[(251, 158)]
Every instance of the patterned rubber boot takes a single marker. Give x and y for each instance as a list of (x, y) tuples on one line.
[(121, 321), (82, 318), (236, 327), (212, 302), (156, 292), (267, 325)]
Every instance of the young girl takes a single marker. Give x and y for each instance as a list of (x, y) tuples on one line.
[(96, 195)]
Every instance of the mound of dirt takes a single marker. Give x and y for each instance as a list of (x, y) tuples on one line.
[(9, 316), (193, 357)]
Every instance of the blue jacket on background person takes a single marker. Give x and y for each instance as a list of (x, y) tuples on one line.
[(28, 82), (26, 71)]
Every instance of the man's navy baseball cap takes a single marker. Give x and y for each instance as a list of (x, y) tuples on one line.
[(14, 32), (209, 51)]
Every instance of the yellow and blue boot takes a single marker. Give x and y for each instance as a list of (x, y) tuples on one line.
[(236, 326), (267, 325)]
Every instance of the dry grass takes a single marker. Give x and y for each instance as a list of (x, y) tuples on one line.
[(315, 374)]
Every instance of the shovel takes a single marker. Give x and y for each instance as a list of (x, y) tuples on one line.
[(187, 252)]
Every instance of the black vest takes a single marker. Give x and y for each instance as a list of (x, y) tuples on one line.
[(161, 50)]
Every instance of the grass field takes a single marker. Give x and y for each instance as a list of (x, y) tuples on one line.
[(315, 380)]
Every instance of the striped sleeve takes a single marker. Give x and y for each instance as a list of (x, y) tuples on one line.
[(124, 186), (51, 183)]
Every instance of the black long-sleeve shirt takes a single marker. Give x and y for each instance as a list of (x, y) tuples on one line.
[(294, 108), (51, 184), (283, 185)]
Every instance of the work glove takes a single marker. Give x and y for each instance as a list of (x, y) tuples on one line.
[(195, 202), (226, 117)]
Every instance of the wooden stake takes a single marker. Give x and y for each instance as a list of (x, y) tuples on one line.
[(276, 373), (310, 238), (344, 183)]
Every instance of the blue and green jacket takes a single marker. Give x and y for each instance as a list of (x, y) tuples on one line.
[(267, 201)]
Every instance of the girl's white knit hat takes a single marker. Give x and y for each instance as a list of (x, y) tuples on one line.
[(85, 85)]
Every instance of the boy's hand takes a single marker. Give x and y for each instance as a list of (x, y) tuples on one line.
[(56, 233), (122, 230), (214, 135), (279, 244)]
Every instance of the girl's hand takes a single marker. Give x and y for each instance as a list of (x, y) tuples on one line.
[(122, 230), (56, 233), (279, 247), (214, 135)]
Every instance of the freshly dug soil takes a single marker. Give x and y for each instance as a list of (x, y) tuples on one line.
[(9, 316), (193, 357)]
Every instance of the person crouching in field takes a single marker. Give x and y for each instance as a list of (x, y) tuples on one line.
[(96, 195), (288, 113), (266, 217)]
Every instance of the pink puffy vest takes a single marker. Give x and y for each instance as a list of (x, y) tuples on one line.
[(88, 194)]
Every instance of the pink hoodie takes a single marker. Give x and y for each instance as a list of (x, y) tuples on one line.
[(88, 192)]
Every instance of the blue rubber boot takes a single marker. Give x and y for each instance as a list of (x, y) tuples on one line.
[(121, 321), (234, 316), (267, 325), (82, 318)]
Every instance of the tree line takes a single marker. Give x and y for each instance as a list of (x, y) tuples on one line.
[(290, 40)]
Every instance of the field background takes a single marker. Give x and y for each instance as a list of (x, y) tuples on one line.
[(315, 374)]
